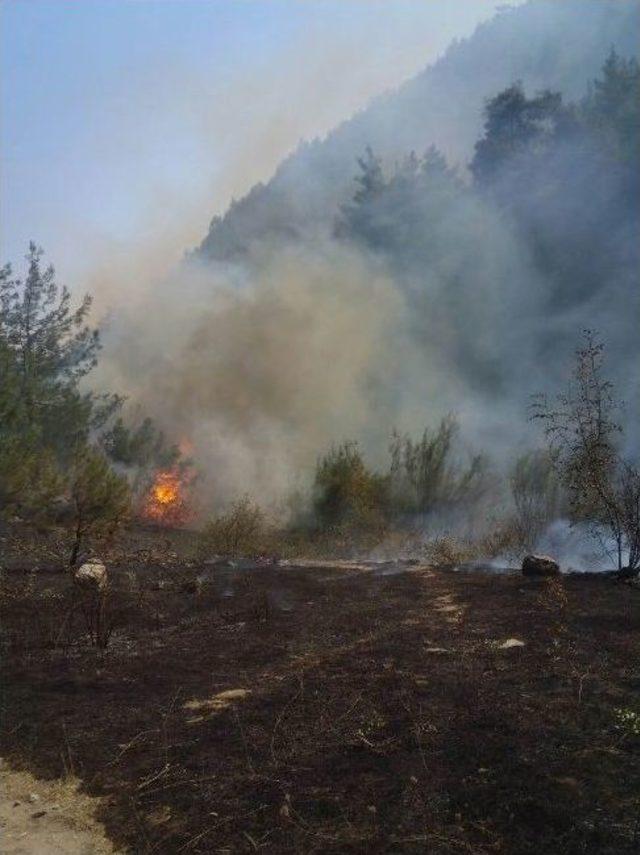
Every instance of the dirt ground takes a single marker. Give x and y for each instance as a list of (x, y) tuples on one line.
[(48, 818), (326, 709)]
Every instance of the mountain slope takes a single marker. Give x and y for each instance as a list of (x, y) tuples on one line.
[(545, 44)]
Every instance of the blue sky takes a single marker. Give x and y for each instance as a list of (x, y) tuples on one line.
[(131, 122)]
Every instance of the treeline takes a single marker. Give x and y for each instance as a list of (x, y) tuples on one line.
[(501, 263), (566, 176), (66, 453)]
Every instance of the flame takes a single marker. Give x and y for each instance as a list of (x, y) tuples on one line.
[(166, 500)]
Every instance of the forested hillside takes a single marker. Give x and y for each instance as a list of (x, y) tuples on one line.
[(544, 44)]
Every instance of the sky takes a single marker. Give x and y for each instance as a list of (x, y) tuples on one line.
[(128, 123)]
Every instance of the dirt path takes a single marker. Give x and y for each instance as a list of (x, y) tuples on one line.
[(47, 818)]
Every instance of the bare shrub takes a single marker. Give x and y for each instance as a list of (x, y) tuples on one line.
[(536, 493), (583, 432), (425, 474), (446, 550)]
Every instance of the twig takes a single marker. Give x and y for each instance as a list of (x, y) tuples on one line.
[(284, 709)]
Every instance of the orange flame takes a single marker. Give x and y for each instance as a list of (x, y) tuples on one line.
[(166, 501)]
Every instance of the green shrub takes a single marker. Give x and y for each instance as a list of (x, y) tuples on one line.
[(346, 493)]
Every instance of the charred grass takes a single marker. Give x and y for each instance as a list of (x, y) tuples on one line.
[(377, 714)]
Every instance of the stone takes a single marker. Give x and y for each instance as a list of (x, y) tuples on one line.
[(511, 642), (91, 575), (540, 565)]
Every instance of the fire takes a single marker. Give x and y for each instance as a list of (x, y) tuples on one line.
[(166, 500)]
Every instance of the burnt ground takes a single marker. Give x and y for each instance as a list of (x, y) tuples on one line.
[(317, 710)]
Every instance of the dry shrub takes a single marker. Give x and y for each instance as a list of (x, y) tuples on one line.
[(505, 539), (537, 498), (242, 530), (447, 550), (57, 616)]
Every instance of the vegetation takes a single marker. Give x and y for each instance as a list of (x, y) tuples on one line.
[(425, 477), (346, 493), (100, 497), (242, 530), (584, 434), (537, 496), (67, 453), (60, 441), (353, 709)]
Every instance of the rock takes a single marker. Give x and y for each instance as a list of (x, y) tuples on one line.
[(540, 565), (92, 575), (34, 797), (511, 642)]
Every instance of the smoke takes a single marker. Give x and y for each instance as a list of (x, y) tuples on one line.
[(261, 369), (579, 546), (300, 341)]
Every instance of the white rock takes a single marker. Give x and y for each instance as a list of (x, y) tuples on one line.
[(511, 642), (91, 575)]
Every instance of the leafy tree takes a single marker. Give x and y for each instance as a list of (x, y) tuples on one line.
[(612, 107), (46, 421), (358, 218), (515, 125), (53, 348), (100, 497), (52, 341), (402, 216)]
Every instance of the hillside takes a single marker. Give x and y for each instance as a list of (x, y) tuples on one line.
[(544, 44)]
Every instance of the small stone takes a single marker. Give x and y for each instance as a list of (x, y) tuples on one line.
[(34, 797), (511, 642)]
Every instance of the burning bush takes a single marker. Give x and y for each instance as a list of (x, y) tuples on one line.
[(166, 501)]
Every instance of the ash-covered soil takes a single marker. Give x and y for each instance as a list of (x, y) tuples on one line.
[(333, 709)]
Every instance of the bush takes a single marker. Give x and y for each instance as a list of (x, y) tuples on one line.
[(242, 530), (425, 476), (345, 493), (536, 493)]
